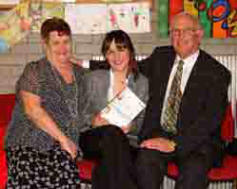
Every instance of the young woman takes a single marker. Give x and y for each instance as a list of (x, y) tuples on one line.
[(106, 142)]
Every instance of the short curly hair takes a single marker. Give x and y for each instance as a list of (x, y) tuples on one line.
[(54, 24)]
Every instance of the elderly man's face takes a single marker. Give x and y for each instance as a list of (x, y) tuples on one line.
[(185, 36)]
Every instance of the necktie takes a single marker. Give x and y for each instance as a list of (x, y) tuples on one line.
[(173, 102)]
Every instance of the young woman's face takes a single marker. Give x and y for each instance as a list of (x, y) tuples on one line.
[(118, 58), (58, 47)]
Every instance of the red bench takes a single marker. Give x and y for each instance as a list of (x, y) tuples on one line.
[(7, 102), (227, 172)]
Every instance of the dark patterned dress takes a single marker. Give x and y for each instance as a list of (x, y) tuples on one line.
[(35, 159)]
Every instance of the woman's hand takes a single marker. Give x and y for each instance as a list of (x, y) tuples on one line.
[(69, 146), (99, 121), (126, 128)]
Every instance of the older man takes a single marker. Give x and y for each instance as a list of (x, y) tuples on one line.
[(188, 96)]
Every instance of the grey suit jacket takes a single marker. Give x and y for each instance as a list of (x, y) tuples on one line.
[(95, 91)]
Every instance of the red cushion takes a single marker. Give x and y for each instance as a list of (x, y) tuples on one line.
[(85, 169), (7, 102), (3, 172), (227, 172), (227, 127), (3, 128)]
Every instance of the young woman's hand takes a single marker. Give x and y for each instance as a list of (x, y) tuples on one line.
[(126, 128), (99, 121)]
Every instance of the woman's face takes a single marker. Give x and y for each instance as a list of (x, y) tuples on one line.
[(118, 58), (58, 47)]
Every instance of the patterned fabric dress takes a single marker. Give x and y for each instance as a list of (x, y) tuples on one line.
[(31, 169), (35, 159)]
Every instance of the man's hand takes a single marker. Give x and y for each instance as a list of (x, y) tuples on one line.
[(159, 143), (69, 146)]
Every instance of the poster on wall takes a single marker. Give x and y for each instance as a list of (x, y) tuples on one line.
[(9, 2), (38, 12), (106, 1), (27, 16), (61, 1), (14, 26), (24, 18), (101, 18), (218, 17), (86, 18), (130, 17)]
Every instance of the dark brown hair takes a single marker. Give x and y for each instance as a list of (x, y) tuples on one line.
[(122, 41), (54, 24)]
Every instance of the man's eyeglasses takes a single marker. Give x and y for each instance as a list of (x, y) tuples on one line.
[(187, 31)]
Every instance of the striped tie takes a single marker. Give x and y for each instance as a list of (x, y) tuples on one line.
[(173, 102)]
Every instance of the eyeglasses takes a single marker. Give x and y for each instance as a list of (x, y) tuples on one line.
[(186, 31)]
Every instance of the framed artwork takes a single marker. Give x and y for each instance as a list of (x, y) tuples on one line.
[(109, 1), (218, 17), (6, 5)]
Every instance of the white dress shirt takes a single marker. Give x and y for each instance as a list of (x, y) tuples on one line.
[(187, 69)]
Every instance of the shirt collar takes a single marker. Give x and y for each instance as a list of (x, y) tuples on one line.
[(190, 60)]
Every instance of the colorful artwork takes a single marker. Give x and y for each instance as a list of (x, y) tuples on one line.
[(9, 2), (39, 11), (218, 17), (130, 17), (28, 16), (86, 19), (101, 18), (61, 1), (25, 17), (104, 1), (14, 26)]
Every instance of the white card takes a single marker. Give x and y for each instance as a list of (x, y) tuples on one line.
[(122, 109)]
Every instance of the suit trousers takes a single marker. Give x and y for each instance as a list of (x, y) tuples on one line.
[(110, 146), (151, 166)]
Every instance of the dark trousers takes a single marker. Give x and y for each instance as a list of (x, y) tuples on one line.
[(110, 146), (151, 167)]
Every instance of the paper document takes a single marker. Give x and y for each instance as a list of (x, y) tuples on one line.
[(123, 108)]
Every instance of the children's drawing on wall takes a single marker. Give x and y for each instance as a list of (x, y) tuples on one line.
[(218, 17), (15, 25), (131, 17), (39, 11), (9, 2), (101, 18), (35, 12), (86, 18)]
